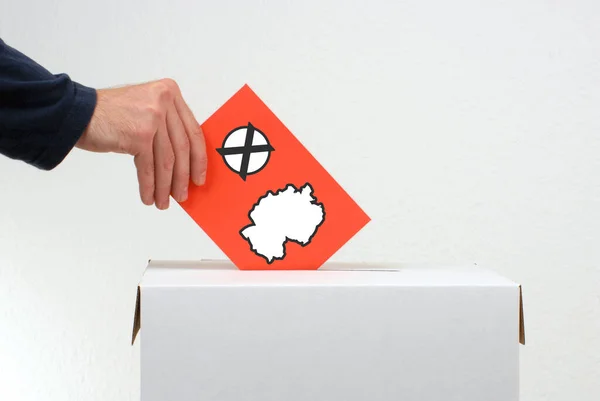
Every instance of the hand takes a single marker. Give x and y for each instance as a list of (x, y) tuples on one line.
[(153, 123)]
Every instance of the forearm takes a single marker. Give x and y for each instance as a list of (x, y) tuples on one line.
[(42, 116)]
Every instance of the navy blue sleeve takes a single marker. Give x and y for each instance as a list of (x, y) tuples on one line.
[(42, 116)]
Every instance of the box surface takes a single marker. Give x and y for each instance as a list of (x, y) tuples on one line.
[(346, 332)]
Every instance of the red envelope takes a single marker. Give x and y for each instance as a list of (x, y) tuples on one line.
[(267, 202)]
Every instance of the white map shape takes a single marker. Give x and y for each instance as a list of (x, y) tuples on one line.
[(289, 214)]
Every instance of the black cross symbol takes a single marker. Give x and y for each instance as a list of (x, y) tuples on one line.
[(246, 150)]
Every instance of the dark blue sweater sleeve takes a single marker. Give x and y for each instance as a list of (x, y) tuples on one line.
[(42, 116)]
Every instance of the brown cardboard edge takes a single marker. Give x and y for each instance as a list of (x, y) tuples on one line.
[(521, 318), (137, 324), (137, 317)]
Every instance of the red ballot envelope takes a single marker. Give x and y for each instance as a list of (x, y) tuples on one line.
[(267, 203)]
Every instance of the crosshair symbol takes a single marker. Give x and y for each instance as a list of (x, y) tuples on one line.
[(246, 150)]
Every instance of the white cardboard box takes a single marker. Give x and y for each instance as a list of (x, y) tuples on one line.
[(343, 333)]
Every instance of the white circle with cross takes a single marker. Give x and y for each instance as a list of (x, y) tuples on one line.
[(246, 150)]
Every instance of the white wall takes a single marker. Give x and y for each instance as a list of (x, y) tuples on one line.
[(469, 133)]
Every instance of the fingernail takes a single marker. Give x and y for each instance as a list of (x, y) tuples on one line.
[(184, 194), (202, 178), (163, 205)]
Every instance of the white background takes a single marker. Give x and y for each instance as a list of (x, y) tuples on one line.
[(468, 130)]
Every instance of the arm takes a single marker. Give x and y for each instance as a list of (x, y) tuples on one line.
[(42, 116)]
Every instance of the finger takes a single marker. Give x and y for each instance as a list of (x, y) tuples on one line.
[(181, 149), (163, 167), (144, 163), (198, 157)]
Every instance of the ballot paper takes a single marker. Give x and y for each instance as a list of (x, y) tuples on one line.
[(267, 202)]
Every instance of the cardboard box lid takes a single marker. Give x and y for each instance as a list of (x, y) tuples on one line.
[(224, 273)]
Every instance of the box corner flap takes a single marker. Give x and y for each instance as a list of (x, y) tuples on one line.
[(521, 318), (137, 324)]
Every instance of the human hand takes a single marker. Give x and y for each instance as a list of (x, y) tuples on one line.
[(151, 122)]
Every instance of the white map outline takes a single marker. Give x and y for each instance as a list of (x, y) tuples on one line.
[(270, 258)]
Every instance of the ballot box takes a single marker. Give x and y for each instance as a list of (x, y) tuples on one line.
[(346, 332)]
